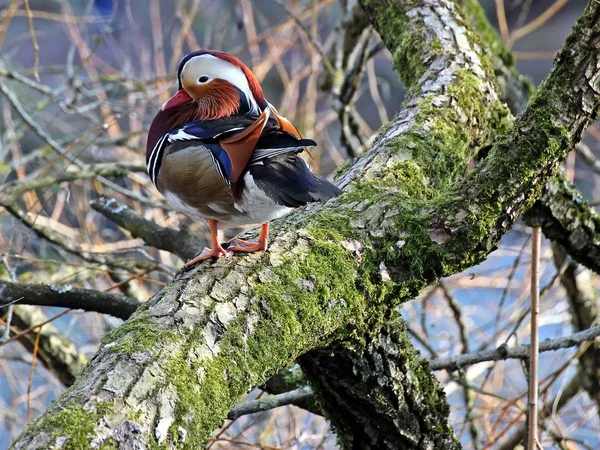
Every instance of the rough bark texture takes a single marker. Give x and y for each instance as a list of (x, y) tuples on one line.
[(376, 395), (449, 60), (561, 211), (568, 219), (172, 372)]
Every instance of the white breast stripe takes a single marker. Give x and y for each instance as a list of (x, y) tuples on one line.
[(156, 156)]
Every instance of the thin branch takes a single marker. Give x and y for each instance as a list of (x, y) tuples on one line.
[(536, 242), (308, 35), (588, 156), (101, 258), (178, 242), (563, 397), (66, 296), (519, 352), (36, 47), (56, 351), (578, 283), (11, 191), (297, 396)]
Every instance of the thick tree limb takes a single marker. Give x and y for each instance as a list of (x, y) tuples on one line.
[(381, 380), (178, 242), (516, 91), (327, 367), (567, 219), (171, 373), (561, 211), (418, 34), (66, 296)]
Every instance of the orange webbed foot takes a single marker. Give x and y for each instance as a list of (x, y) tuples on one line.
[(239, 245), (207, 253)]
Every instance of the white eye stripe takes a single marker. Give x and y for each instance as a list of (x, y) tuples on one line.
[(213, 68)]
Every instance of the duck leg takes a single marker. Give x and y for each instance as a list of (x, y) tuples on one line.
[(216, 251), (239, 245)]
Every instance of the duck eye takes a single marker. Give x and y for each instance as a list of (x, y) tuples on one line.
[(203, 79)]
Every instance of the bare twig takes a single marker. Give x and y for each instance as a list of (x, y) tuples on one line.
[(9, 192), (299, 395), (536, 241), (536, 23), (10, 310), (572, 388), (588, 156), (36, 47), (36, 346), (56, 352), (314, 43), (7, 321), (519, 352), (100, 258)]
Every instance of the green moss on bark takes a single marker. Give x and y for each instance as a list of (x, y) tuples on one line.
[(137, 334), (474, 13), (299, 301), (71, 428)]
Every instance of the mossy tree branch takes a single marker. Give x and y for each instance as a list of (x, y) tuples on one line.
[(561, 211), (172, 372), (378, 389), (368, 375), (566, 218)]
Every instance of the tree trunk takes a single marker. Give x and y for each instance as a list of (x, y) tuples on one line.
[(379, 394)]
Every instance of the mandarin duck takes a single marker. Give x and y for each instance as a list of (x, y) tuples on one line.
[(218, 150)]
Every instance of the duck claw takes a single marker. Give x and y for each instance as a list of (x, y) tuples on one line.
[(207, 253), (239, 245)]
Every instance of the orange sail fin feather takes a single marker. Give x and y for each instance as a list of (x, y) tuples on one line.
[(240, 146), (289, 127)]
